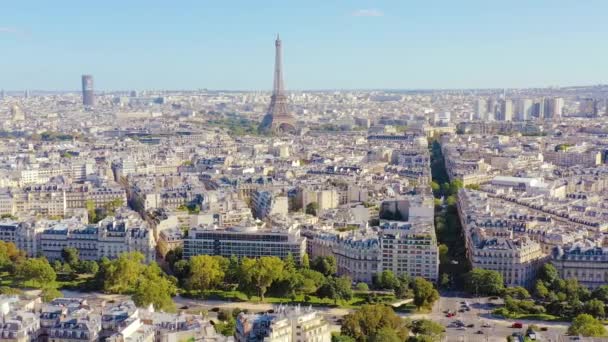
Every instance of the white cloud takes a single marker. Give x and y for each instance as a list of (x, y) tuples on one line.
[(368, 13)]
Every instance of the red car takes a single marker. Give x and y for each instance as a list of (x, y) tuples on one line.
[(517, 325)]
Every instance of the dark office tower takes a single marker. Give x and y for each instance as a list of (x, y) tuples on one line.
[(549, 109), (26, 94), (589, 107), (278, 120), (2, 94), (88, 97), (539, 109)]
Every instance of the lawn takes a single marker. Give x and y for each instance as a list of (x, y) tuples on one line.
[(537, 317), (64, 281), (358, 299)]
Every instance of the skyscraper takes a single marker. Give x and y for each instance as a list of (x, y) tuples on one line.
[(539, 109), (278, 120), (506, 110), (589, 107), (524, 112), (558, 107), (88, 97), (481, 109)]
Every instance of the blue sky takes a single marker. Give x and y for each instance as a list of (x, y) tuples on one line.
[(328, 44)]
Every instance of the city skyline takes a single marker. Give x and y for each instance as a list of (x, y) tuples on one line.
[(355, 45)]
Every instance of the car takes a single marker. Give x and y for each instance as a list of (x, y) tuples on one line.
[(479, 332), (485, 325), (517, 325), (471, 326), (493, 298), (463, 303), (461, 310), (468, 309), (544, 328), (185, 307)]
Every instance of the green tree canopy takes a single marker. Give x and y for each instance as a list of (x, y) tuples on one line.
[(154, 287), (326, 265), (121, 275), (36, 272), (205, 272), (586, 325), (259, 274), (484, 282), (48, 294), (424, 293), (429, 328), (70, 255), (369, 319)]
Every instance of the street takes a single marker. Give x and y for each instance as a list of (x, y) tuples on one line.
[(484, 327)]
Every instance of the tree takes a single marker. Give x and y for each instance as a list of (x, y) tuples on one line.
[(90, 205), (312, 208), (232, 271), (517, 292), (174, 256), (362, 287), (540, 290), (444, 281), (341, 338), (113, 205), (548, 274), (424, 293), (36, 272), (154, 287), (444, 256), (9, 254), (181, 270), (70, 255), (121, 275), (429, 328), (484, 282), (385, 334), (89, 267), (305, 261), (586, 325), (205, 272), (260, 273), (435, 187), (48, 294), (601, 293), (595, 308), (388, 280), (326, 265), (336, 289), (369, 319)]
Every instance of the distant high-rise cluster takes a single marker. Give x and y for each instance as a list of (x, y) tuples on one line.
[(88, 95), (589, 107), (522, 109)]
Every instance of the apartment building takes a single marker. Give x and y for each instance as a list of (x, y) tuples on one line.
[(587, 264), (357, 253), (409, 248), (245, 240), (285, 325), (265, 203)]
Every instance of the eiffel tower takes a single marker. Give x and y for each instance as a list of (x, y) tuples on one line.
[(278, 120)]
